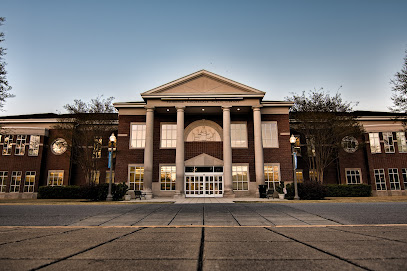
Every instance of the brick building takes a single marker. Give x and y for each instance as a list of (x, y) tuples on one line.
[(202, 135)]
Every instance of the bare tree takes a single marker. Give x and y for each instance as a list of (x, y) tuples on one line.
[(324, 121), (85, 127), (4, 85), (399, 90)]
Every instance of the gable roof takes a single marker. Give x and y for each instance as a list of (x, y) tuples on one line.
[(203, 84)]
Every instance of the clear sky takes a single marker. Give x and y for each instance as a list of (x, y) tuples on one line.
[(59, 50)]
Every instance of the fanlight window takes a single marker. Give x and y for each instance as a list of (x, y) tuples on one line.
[(203, 133)]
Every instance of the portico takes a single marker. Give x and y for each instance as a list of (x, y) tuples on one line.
[(203, 137)]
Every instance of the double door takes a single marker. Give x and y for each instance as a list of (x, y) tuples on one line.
[(203, 185)]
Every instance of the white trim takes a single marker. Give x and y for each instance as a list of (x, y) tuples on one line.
[(161, 135), (128, 173), (247, 135), (248, 175), (131, 135), (354, 169), (275, 134)]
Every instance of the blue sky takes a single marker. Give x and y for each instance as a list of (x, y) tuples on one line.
[(58, 51)]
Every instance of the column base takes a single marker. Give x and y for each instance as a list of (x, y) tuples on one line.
[(149, 194), (229, 194), (179, 195)]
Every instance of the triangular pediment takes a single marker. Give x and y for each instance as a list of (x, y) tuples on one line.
[(202, 83), (204, 160)]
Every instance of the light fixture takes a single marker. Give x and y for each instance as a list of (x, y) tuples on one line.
[(203, 109), (168, 110), (238, 109), (292, 139), (112, 138)]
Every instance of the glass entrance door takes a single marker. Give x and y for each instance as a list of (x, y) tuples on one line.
[(204, 185)]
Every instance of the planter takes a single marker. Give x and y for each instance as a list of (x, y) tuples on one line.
[(281, 196)]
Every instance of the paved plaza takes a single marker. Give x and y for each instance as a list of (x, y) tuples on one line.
[(204, 236)]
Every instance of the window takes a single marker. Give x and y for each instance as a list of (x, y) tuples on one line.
[(312, 174), (55, 177), (136, 177), (15, 181), (353, 176), (300, 175), (238, 134), (374, 143), (138, 135), (168, 177), (34, 145), (394, 179), (97, 147), (3, 181), (7, 144), (269, 134), (94, 177), (29, 181), (168, 135), (403, 173), (272, 175), (20, 145), (297, 145), (108, 176), (401, 141), (380, 179), (388, 142), (240, 177), (350, 144)]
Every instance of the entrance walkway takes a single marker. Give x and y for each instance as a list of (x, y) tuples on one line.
[(204, 200)]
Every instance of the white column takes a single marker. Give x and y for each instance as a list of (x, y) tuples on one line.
[(148, 153), (227, 153), (179, 153), (258, 147)]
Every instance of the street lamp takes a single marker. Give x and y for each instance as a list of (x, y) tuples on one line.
[(111, 149), (292, 141)]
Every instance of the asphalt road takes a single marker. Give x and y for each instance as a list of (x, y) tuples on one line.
[(328, 236), (238, 214)]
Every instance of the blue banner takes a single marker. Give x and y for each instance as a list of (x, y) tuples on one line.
[(295, 160), (109, 164)]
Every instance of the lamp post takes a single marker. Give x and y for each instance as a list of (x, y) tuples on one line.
[(292, 141), (111, 149)]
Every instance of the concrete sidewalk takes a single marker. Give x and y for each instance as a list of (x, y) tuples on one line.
[(205, 200), (204, 248)]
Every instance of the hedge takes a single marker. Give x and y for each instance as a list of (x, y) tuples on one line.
[(92, 192), (344, 190)]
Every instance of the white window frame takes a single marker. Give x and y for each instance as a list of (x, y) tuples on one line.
[(142, 140), (238, 135), (97, 147), (374, 141), (20, 145), (380, 179), (134, 182), (170, 140), (267, 180), (348, 173), (388, 140), (165, 181), (34, 146), (15, 181), (7, 147), (401, 142), (238, 182), (3, 181), (29, 181), (54, 181), (94, 177), (404, 174), (108, 176), (394, 179), (269, 135)]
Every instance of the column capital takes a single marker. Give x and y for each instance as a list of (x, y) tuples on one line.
[(226, 108), (180, 108), (257, 107), (149, 108)]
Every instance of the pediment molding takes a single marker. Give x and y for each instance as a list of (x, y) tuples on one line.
[(203, 83), (205, 160)]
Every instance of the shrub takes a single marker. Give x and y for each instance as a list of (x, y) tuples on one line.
[(290, 191), (59, 192), (311, 190), (344, 190), (119, 190), (280, 188)]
